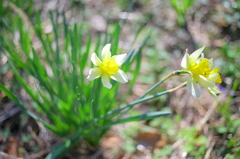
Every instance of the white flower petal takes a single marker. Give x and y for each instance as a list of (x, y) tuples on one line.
[(94, 73), (205, 82), (95, 60), (210, 63), (213, 77), (120, 76), (106, 81), (194, 56), (106, 54), (193, 88), (185, 61), (120, 58), (214, 90)]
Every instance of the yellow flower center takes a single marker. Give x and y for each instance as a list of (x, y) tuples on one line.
[(109, 66), (203, 68)]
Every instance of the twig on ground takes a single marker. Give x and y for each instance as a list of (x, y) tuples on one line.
[(207, 115), (5, 155), (8, 113), (97, 154), (207, 155), (39, 154), (23, 16)]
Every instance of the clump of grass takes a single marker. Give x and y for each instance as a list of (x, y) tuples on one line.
[(74, 108)]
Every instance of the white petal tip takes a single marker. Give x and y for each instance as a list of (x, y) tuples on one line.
[(120, 76), (94, 73), (185, 61), (106, 81), (193, 88), (95, 60), (109, 87)]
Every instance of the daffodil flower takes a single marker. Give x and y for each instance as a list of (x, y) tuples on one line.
[(108, 68), (201, 72)]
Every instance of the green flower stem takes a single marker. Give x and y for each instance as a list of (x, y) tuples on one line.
[(178, 87), (66, 145), (132, 104), (122, 108), (174, 73)]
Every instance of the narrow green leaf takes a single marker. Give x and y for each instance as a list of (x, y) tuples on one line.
[(84, 58), (138, 61), (175, 5), (27, 88), (146, 116), (19, 103), (127, 62), (64, 147), (116, 35), (187, 4), (137, 34), (98, 43)]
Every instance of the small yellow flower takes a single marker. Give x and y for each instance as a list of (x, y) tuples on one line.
[(201, 72), (108, 68)]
